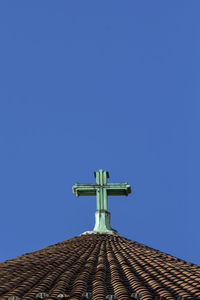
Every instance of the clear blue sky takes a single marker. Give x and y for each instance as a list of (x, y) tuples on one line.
[(100, 84)]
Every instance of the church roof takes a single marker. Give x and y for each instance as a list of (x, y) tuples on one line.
[(98, 266)]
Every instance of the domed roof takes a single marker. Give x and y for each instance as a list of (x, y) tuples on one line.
[(98, 266)]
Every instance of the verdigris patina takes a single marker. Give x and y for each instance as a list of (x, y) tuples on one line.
[(102, 189)]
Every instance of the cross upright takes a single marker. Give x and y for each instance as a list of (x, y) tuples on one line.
[(102, 189)]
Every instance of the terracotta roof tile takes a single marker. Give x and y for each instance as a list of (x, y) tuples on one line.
[(98, 266)]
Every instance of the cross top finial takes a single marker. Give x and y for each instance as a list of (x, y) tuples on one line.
[(102, 189), (101, 176)]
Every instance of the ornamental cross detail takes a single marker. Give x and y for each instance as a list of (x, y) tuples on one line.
[(102, 189)]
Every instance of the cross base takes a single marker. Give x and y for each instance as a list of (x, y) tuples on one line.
[(102, 222), (113, 232)]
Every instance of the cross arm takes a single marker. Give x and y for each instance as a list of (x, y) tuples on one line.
[(118, 189), (84, 189)]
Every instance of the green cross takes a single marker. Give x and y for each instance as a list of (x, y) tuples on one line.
[(102, 189)]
